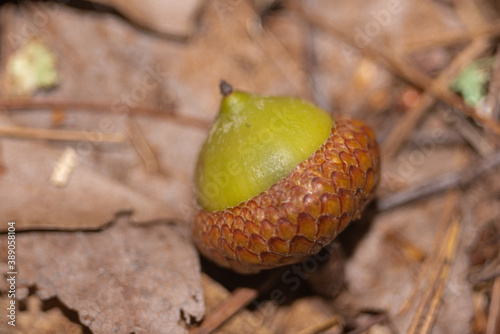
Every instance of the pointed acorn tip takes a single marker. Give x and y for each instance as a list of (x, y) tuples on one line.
[(225, 88)]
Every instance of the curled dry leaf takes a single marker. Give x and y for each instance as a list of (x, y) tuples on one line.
[(125, 278)]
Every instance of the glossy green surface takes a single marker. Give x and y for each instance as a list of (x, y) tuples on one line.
[(253, 143)]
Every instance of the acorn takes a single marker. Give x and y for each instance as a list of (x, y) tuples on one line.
[(277, 179)]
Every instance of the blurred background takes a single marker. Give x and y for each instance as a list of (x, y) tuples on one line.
[(105, 104)]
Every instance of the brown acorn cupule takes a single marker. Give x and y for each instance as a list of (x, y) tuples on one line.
[(302, 212)]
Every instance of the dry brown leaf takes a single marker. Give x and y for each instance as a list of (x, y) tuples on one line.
[(36, 319), (112, 178), (380, 277), (90, 199), (126, 278), (105, 58), (290, 318), (248, 57), (176, 18)]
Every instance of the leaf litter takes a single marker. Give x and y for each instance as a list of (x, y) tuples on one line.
[(125, 277), (259, 46)]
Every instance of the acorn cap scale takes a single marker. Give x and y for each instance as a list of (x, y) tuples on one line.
[(278, 179)]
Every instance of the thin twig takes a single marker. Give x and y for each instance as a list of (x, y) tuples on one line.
[(450, 253), (493, 324), (2, 162), (400, 132), (240, 298), (439, 184), (471, 134), (403, 128), (489, 272), (395, 62), (447, 38), (52, 103), (426, 313), (493, 99), (426, 273), (408, 250), (142, 146), (98, 106), (63, 135)]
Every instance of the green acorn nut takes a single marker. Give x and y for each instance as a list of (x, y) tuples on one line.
[(277, 179)]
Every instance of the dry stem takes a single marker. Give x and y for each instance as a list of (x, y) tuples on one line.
[(447, 38), (399, 66), (63, 135), (99, 106), (441, 183), (493, 324), (427, 309)]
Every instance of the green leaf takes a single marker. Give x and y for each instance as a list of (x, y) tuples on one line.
[(30, 68), (471, 82)]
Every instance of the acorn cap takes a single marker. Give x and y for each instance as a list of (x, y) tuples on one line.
[(303, 210)]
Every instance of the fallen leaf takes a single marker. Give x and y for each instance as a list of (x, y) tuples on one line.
[(371, 281), (107, 59), (175, 18), (31, 67), (471, 82), (90, 199), (109, 178), (290, 317), (40, 319), (125, 278)]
